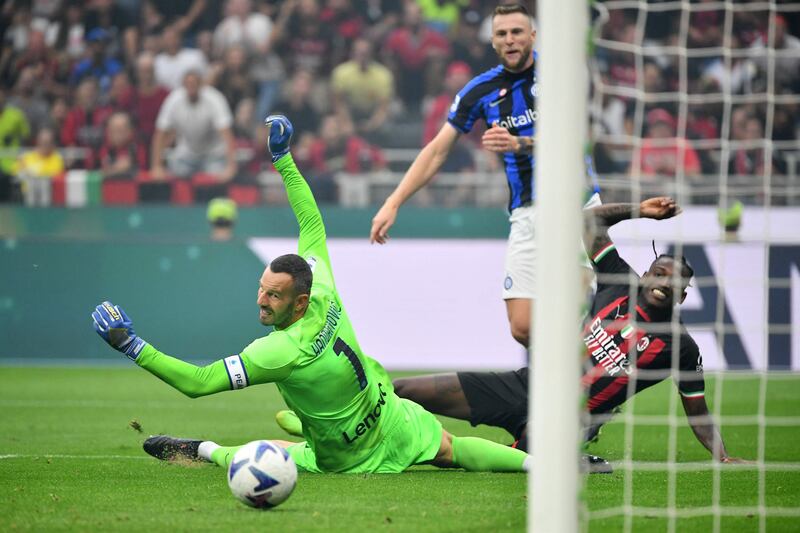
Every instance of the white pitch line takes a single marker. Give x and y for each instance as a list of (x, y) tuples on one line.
[(67, 456), (100, 404)]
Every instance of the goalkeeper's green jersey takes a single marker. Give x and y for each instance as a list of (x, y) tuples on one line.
[(344, 398)]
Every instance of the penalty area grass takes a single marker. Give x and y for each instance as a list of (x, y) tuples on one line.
[(71, 459)]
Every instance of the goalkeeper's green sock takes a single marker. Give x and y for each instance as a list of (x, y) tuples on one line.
[(221, 455), (481, 455)]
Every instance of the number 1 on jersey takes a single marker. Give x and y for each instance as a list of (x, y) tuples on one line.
[(341, 347)]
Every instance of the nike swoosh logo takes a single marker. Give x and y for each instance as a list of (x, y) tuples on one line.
[(497, 102)]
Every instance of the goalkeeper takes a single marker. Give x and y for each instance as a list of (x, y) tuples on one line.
[(352, 420)]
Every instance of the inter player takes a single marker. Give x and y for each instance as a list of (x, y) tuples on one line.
[(504, 97), (352, 420), (629, 338)]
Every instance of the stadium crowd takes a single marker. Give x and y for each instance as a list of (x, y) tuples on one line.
[(642, 94), (157, 93)]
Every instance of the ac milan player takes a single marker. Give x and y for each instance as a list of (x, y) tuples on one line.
[(634, 338), (631, 335)]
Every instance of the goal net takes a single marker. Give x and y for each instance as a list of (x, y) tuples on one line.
[(700, 101)]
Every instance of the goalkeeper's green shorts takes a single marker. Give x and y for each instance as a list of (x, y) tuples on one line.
[(414, 440)]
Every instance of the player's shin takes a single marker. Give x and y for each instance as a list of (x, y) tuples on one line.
[(481, 455)]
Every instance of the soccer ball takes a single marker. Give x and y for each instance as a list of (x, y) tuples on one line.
[(262, 474)]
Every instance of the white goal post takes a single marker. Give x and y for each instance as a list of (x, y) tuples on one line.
[(702, 70), (562, 80)]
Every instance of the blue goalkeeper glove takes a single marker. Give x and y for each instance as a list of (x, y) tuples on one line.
[(111, 323), (280, 134)]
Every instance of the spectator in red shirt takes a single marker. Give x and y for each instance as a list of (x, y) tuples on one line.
[(458, 74), (146, 98), (122, 156), (663, 154), (416, 54), (121, 92), (347, 25), (460, 159), (245, 136), (338, 149), (86, 120), (705, 27)]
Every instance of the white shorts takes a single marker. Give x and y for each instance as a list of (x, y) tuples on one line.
[(520, 267)]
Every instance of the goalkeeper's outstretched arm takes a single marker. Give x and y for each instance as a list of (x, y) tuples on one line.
[(116, 328), (301, 199), (234, 372), (193, 381)]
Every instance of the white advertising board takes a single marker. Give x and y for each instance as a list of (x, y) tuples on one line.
[(435, 304)]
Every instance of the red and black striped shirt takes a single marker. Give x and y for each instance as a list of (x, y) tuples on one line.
[(627, 350)]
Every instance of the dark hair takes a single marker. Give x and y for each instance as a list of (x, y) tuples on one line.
[(510, 8), (686, 269), (298, 268)]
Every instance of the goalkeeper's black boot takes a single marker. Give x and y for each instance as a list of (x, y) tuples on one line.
[(596, 465), (169, 448)]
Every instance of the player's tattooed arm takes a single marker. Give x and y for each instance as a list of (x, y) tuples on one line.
[(598, 219), (607, 215), (499, 140)]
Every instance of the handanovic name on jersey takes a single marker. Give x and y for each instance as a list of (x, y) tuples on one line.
[(508, 99), (331, 321)]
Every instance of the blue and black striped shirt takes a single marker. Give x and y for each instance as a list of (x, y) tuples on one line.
[(507, 98)]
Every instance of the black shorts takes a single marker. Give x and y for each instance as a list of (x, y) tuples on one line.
[(497, 399)]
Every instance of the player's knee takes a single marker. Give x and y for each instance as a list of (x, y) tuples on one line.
[(421, 390), (403, 387)]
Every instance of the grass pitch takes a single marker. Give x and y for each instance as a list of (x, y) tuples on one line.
[(71, 460)]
